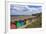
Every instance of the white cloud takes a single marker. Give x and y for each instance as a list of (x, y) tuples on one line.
[(24, 10)]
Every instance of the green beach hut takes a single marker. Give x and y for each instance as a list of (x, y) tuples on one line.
[(17, 24)]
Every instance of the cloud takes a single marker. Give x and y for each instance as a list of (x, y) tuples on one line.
[(24, 10)]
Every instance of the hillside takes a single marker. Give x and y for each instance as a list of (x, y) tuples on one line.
[(37, 22)]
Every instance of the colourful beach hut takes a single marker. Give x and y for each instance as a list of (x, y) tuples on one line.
[(13, 26), (27, 22), (18, 24), (21, 22)]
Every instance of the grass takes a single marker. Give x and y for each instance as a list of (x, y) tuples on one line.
[(37, 23)]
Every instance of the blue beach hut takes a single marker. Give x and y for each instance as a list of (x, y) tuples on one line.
[(21, 22)]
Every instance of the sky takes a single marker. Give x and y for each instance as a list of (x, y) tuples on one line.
[(24, 9)]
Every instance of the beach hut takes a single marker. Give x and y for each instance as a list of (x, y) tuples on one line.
[(13, 26), (18, 24), (27, 21), (21, 22)]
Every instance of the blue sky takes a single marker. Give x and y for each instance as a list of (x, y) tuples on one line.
[(24, 9)]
